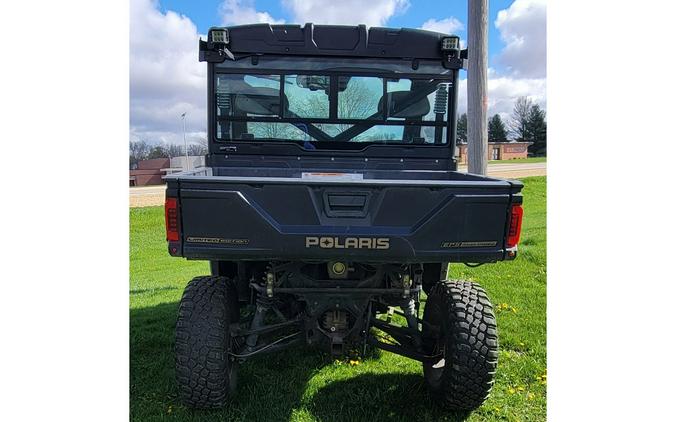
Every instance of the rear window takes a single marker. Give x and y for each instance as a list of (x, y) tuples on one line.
[(324, 111)]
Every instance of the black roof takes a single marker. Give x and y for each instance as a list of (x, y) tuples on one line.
[(334, 40)]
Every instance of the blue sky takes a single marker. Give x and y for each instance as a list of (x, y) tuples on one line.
[(205, 15), (165, 82)]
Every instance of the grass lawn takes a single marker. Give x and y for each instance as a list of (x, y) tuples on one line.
[(305, 385), (519, 160)]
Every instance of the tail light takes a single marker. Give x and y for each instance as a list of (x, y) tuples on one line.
[(171, 217), (515, 226)]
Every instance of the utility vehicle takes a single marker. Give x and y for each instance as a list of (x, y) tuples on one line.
[(329, 203)]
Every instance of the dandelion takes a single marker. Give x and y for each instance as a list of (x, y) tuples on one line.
[(512, 390), (497, 409), (530, 396), (353, 362), (521, 388)]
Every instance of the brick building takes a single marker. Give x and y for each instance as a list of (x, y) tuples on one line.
[(498, 151), (152, 172), (149, 172)]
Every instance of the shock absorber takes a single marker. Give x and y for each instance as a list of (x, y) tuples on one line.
[(264, 301), (440, 108)]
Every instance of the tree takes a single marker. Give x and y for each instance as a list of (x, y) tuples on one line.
[(174, 150), (518, 125), (536, 127), (461, 129), (138, 150), (197, 149), (158, 151), (357, 101), (496, 129)]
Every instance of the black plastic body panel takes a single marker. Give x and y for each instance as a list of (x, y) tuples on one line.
[(271, 214), (393, 45), (334, 40)]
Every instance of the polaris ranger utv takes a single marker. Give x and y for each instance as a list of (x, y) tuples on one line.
[(330, 200)]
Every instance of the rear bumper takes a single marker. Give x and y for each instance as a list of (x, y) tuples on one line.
[(294, 249)]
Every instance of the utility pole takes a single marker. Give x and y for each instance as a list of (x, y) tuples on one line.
[(477, 87), (187, 159)]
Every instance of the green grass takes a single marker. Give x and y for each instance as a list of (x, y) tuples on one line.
[(520, 160), (305, 385)]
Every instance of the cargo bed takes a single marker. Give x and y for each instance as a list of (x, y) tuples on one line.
[(246, 213)]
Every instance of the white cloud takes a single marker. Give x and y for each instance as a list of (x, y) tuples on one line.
[(447, 26), (165, 76), (240, 12), (345, 12), (503, 91), (522, 27)]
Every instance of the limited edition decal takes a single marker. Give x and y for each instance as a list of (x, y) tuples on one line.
[(329, 242), (469, 244), (217, 240)]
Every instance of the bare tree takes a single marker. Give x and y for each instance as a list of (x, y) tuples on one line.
[(202, 142), (197, 149), (518, 124), (355, 102), (138, 150), (158, 151), (174, 150)]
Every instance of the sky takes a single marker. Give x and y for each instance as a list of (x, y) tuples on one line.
[(166, 78)]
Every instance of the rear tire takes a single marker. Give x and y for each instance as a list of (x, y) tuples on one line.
[(432, 274), (467, 340), (204, 372)]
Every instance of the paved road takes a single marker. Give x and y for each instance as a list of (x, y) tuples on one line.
[(147, 196), (514, 170)]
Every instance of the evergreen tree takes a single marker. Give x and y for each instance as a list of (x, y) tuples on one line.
[(496, 129), (461, 129), (536, 128)]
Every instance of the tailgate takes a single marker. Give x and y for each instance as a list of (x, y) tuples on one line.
[(229, 218)]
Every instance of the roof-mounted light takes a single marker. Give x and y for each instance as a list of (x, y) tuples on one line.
[(450, 43), (219, 36)]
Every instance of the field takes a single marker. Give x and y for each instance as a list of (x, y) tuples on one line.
[(302, 385)]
